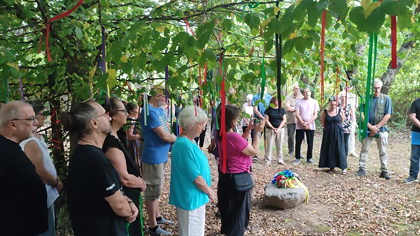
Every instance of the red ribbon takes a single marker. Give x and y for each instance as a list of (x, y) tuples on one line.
[(324, 15), (189, 27), (394, 42), (62, 15)]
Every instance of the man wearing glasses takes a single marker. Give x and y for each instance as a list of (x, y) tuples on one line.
[(379, 113), (23, 198)]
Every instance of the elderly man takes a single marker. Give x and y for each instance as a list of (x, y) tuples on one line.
[(306, 114), (291, 117), (354, 103), (157, 140), (379, 113), (23, 198), (415, 141)]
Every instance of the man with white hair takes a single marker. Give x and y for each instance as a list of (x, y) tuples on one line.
[(291, 117), (23, 197), (379, 113), (354, 103)]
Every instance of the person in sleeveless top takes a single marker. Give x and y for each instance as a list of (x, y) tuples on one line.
[(37, 151), (122, 161), (332, 148), (133, 133)]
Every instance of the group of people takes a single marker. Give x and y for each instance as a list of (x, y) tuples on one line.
[(105, 182)]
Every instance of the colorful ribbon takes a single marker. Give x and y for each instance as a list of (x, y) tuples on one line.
[(223, 114), (394, 42), (62, 15)]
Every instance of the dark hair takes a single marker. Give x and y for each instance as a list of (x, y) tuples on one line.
[(333, 99), (111, 107), (77, 120), (273, 99), (231, 113), (131, 106), (36, 105)]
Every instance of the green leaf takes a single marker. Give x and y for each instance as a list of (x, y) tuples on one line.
[(268, 46), (252, 20), (288, 46), (403, 22), (202, 41), (313, 15), (78, 32), (390, 7), (227, 24), (375, 20), (305, 4), (357, 16), (338, 8), (314, 35), (300, 44)]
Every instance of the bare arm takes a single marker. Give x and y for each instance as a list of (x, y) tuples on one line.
[(288, 107), (119, 204), (117, 159), (298, 117), (282, 123), (384, 120), (252, 150), (414, 119), (202, 185), (165, 136), (267, 122), (34, 154), (256, 112)]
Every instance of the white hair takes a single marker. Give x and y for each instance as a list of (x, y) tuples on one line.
[(378, 81), (249, 97), (191, 115)]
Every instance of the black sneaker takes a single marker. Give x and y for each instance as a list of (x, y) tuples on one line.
[(384, 174), (361, 172), (411, 179)]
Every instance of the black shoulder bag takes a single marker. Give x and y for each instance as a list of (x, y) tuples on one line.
[(242, 181)]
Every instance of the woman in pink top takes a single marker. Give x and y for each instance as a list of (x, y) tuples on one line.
[(234, 205)]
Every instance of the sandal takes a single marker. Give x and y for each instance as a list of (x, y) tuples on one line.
[(344, 172)]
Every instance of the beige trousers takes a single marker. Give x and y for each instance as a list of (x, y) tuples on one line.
[(381, 142), (272, 138)]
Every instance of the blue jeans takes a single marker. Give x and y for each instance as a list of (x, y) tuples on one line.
[(414, 160), (51, 222)]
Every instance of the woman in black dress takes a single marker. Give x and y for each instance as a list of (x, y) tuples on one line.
[(332, 148), (122, 161)]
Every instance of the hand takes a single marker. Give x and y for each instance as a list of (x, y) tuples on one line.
[(143, 185), (374, 129), (276, 131), (372, 134), (259, 127), (210, 148), (134, 213), (212, 195), (59, 186), (251, 124)]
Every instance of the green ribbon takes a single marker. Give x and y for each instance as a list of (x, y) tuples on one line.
[(373, 43), (250, 5), (263, 78)]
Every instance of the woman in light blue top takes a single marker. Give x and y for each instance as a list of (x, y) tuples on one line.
[(37, 151), (190, 174)]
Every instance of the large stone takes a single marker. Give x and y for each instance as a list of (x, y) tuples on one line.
[(283, 198)]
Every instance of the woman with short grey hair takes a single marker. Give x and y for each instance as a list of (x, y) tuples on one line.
[(190, 174)]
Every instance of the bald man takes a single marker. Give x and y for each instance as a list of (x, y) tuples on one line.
[(23, 197)]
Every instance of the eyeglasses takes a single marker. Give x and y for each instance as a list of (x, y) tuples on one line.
[(106, 114), (125, 111), (376, 88), (30, 119)]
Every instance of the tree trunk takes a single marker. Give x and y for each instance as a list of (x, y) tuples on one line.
[(389, 76)]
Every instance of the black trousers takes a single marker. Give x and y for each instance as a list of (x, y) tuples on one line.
[(346, 143), (234, 206), (309, 140), (252, 133), (201, 138)]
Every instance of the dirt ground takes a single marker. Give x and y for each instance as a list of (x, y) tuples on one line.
[(339, 204)]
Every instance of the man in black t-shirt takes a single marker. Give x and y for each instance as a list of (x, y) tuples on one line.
[(95, 199), (23, 198), (415, 141)]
